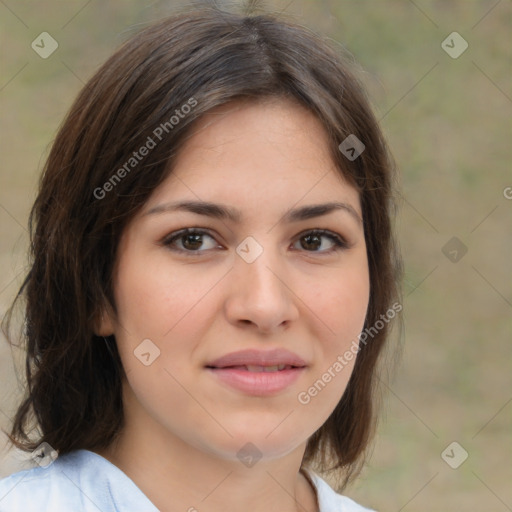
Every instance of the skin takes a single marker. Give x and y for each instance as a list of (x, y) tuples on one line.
[(184, 427)]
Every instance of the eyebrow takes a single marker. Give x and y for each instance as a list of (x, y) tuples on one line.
[(224, 212)]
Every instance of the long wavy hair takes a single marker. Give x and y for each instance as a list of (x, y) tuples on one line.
[(74, 378)]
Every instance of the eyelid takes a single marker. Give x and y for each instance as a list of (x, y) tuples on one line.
[(176, 235), (340, 242)]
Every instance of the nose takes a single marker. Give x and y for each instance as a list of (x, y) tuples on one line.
[(261, 296)]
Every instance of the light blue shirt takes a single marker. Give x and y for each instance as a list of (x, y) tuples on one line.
[(83, 481)]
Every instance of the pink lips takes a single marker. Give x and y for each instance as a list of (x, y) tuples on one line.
[(258, 358), (249, 370)]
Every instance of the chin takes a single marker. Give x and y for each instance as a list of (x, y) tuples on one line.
[(263, 440)]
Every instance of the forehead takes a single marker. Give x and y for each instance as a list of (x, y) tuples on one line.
[(239, 130), (255, 154)]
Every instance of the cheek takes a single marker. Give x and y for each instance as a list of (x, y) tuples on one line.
[(341, 312), (154, 298), (169, 307), (340, 305)]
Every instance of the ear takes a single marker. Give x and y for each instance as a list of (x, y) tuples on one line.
[(103, 324)]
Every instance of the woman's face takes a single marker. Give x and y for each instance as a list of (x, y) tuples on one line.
[(260, 281)]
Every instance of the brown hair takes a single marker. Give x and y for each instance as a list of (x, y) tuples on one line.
[(205, 57)]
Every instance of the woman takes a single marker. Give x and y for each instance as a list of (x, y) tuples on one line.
[(213, 281)]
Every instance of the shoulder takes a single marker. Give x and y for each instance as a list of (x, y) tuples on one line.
[(329, 500), (80, 481)]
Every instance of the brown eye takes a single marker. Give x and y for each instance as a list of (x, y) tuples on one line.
[(191, 240), (313, 241)]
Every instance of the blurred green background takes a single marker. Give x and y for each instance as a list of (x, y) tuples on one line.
[(448, 121)]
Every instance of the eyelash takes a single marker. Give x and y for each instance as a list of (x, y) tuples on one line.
[(339, 242)]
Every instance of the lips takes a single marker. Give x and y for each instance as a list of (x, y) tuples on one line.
[(258, 368), (256, 372), (258, 360)]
